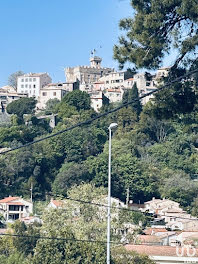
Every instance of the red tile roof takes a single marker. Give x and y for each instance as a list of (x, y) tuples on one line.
[(150, 230), (57, 203), (15, 203), (9, 199), (156, 250), (149, 239)]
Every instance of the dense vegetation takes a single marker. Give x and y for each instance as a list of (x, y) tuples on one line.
[(154, 149), (150, 156)]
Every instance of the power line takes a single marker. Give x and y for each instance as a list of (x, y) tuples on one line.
[(100, 115), (100, 205), (124, 209), (62, 239)]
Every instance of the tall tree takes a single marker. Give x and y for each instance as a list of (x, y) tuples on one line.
[(158, 26), (12, 79), (80, 100), (133, 95), (22, 106)]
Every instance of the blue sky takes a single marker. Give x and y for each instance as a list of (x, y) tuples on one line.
[(48, 35)]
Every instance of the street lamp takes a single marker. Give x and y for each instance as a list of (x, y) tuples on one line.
[(112, 125)]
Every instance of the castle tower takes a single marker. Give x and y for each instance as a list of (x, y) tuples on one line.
[(95, 62)]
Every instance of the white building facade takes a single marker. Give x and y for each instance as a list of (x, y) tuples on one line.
[(54, 91), (13, 208), (31, 83)]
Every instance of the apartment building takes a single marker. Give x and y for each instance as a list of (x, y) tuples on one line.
[(31, 83), (115, 80), (54, 91)]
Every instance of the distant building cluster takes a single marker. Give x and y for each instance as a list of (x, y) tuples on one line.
[(99, 82)]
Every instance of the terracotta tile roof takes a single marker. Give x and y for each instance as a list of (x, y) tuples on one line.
[(57, 203), (114, 90), (149, 239), (155, 250), (9, 199), (15, 203), (130, 79), (150, 230)]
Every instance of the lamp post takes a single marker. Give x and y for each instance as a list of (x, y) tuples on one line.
[(112, 125)]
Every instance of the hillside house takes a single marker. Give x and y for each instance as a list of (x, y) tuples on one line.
[(13, 208)]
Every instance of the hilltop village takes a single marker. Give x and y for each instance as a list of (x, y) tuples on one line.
[(99, 82)]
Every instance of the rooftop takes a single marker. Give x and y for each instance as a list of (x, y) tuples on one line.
[(9, 199), (156, 250), (32, 74), (57, 203)]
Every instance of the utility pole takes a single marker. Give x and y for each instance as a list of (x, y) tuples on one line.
[(31, 189), (127, 198), (112, 125)]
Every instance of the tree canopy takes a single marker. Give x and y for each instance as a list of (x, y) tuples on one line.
[(22, 106), (157, 27), (12, 79)]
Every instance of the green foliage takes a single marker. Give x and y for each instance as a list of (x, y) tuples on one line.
[(133, 95), (51, 103), (80, 100), (25, 245), (122, 256), (22, 106), (156, 27), (69, 175)]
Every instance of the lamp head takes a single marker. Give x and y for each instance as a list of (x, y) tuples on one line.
[(113, 125)]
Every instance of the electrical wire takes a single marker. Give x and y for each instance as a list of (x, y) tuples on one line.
[(86, 122), (100, 205), (122, 208), (62, 239)]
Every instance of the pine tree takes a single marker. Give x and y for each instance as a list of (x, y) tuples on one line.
[(133, 95)]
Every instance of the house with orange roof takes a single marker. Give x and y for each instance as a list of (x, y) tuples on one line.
[(13, 208), (55, 204), (166, 254)]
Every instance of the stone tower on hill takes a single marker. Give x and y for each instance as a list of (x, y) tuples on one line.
[(85, 76)]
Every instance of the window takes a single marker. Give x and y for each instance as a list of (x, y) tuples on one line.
[(13, 207), (22, 80), (22, 86), (26, 91), (30, 79), (44, 94), (148, 83), (54, 93), (34, 79), (26, 79), (107, 81), (30, 86), (26, 86), (34, 86)]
